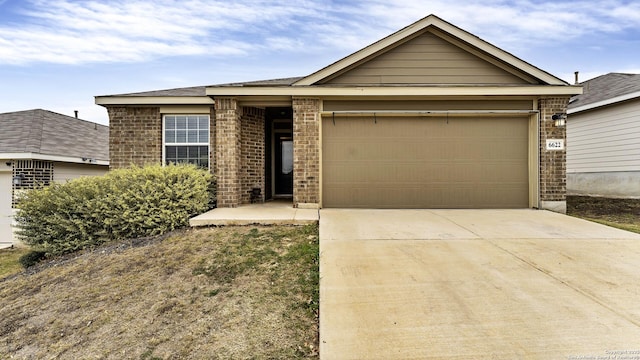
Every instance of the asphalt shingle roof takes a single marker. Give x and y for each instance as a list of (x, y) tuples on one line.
[(606, 87), (186, 91), (270, 82), (201, 90), (49, 133)]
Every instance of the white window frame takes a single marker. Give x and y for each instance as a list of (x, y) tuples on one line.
[(165, 143)]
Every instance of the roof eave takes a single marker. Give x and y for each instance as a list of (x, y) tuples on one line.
[(59, 158), (153, 100), (399, 91)]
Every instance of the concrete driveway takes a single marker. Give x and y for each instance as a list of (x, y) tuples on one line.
[(476, 284)]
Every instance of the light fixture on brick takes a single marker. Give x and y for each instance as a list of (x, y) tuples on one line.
[(17, 180), (559, 120)]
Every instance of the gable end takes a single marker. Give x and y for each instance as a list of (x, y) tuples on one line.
[(430, 57)]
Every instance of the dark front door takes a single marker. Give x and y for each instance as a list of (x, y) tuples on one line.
[(283, 172)]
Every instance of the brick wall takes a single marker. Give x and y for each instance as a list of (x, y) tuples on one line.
[(306, 151), (252, 153), (553, 177), (32, 174), (135, 136), (228, 152)]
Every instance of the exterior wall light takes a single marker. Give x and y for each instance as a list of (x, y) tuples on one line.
[(559, 120), (17, 180)]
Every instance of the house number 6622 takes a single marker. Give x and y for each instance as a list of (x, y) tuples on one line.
[(555, 144)]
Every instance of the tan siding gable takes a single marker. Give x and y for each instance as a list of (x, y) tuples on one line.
[(426, 59)]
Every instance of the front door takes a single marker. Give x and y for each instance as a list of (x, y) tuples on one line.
[(283, 172)]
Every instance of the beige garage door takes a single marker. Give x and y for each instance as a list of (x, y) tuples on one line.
[(425, 162)]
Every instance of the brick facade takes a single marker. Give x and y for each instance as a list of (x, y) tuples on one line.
[(239, 151), (238, 148), (306, 151), (553, 170), (252, 156), (228, 152), (32, 174), (135, 136)]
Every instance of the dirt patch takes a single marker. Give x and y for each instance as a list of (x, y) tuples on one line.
[(620, 213), (226, 293)]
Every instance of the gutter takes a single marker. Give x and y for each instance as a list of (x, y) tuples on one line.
[(67, 159)]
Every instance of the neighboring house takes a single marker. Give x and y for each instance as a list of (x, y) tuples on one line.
[(603, 138), (428, 117), (38, 147)]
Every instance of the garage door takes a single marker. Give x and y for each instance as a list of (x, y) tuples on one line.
[(425, 162)]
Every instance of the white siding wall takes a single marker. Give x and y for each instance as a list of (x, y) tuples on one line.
[(603, 151), (604, 140), (65, 171), (6, 214)]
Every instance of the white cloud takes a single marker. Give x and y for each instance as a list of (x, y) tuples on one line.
[(517, 22), (62, 31), (86, 31)]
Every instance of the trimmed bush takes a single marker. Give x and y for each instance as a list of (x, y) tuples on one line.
[(126, 203), (31, 258)]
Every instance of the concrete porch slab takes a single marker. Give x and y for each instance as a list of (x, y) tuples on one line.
[(269, 213)]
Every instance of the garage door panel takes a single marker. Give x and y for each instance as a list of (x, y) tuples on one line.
[(493, 173), (425, 162)]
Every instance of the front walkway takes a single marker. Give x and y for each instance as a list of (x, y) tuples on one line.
[(476, 284), (277, 212)]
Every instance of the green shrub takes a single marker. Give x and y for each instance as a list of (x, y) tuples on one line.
[(31, 258), (125, 203)]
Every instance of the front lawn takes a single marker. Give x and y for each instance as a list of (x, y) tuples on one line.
[(224, 293), (9, 263)]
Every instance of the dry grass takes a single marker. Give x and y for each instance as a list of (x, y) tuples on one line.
[(621, 213), (9, 260), (218, 293)]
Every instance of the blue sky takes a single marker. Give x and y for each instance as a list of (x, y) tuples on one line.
[(59, 54)]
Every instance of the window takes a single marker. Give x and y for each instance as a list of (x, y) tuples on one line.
[(186, 139)]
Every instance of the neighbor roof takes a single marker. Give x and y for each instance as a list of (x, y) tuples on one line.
[(43, 132), (605, 90)]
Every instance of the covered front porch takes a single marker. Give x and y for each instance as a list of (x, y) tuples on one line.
[(267, 150)]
